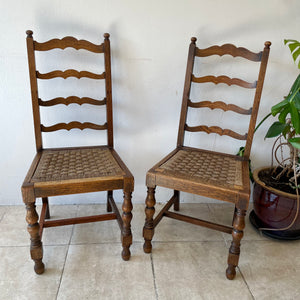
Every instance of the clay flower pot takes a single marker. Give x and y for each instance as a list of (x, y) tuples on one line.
[(274, 209)]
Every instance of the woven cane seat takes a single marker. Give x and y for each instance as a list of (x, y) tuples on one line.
[(57, 165), (204, 167)]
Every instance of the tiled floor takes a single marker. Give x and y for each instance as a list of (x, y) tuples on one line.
[(188, 262)]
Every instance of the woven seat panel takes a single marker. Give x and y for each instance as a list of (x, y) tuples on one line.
[(204, 167), (76, 164)]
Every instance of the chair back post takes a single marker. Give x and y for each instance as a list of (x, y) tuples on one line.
[(108, 88), (257, 97), (186, 91), (34, 91)]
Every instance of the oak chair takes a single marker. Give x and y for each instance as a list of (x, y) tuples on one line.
[(208, 173), (64, 171)]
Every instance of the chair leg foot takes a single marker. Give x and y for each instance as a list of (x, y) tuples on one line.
[(148, 230), (36, 246), (230, 272), (126, 235), (234, 250)]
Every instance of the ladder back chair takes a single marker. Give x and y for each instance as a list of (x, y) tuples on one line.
[(64, 171), (208, 173)]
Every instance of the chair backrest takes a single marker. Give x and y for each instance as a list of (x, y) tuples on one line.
[(63, 43), (194, 51)]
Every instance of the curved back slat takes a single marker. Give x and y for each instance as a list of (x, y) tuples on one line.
[(71, 100), (73, 125), (230, 50), (66, 42), (224, 79), (216, 129), (220, 105), (69, 73)]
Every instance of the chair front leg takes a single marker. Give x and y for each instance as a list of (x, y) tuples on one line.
[(234, 250), (148, 230), (36, 246), (126, 235)]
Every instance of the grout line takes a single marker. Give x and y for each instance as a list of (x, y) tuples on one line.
[(246, 283), (154, 278), (67, 252)]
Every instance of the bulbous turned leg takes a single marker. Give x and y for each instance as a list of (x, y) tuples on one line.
[(126, 235), (234, 250), (177, 201), (148, 230), (36, 247), (108, 206)]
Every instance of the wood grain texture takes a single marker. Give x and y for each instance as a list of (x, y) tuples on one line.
[(224, 79), (220, 105), (216, 129), (66, 42), (73, 125), (69, 73), (230, 50), (71, 100)]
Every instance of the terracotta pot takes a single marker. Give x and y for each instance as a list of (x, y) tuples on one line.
[(274, 209)]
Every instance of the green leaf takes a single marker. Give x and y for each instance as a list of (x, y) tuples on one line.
[(275, 129), (286, 41), (296, 54), (286, 130), (283, 114), (295, 142), (278, 107), (295, 117)]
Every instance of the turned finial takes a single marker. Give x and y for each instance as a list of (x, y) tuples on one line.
[(268, 44), (29, 33), (106, 35), (193, 40)]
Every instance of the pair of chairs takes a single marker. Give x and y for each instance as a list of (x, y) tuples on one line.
[(64, 171)]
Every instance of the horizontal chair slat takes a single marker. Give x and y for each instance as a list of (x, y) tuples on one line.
[(66, 42), (70, 100), (224, 79), (73, 125), (217, 130), (69, 73), (230, 50), (221, 105)]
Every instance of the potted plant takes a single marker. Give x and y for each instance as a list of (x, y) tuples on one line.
[(276, 188)]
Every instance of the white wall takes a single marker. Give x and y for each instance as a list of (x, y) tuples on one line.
[(149, 41)]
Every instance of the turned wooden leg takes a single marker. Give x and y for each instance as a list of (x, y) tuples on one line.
[(234, 250), (148, 230), (126, 235), (108, 206), (45, 201), (36, 247), (177, 201)]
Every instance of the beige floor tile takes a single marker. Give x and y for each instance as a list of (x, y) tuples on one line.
[(272, 269), (18, 279), (195, 270), (3, 210), (174, 230), (98, 272), (97, 232), (14, 227), (223, 214)]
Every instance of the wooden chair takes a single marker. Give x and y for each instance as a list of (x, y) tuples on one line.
[(64, 171), (208, 173)]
